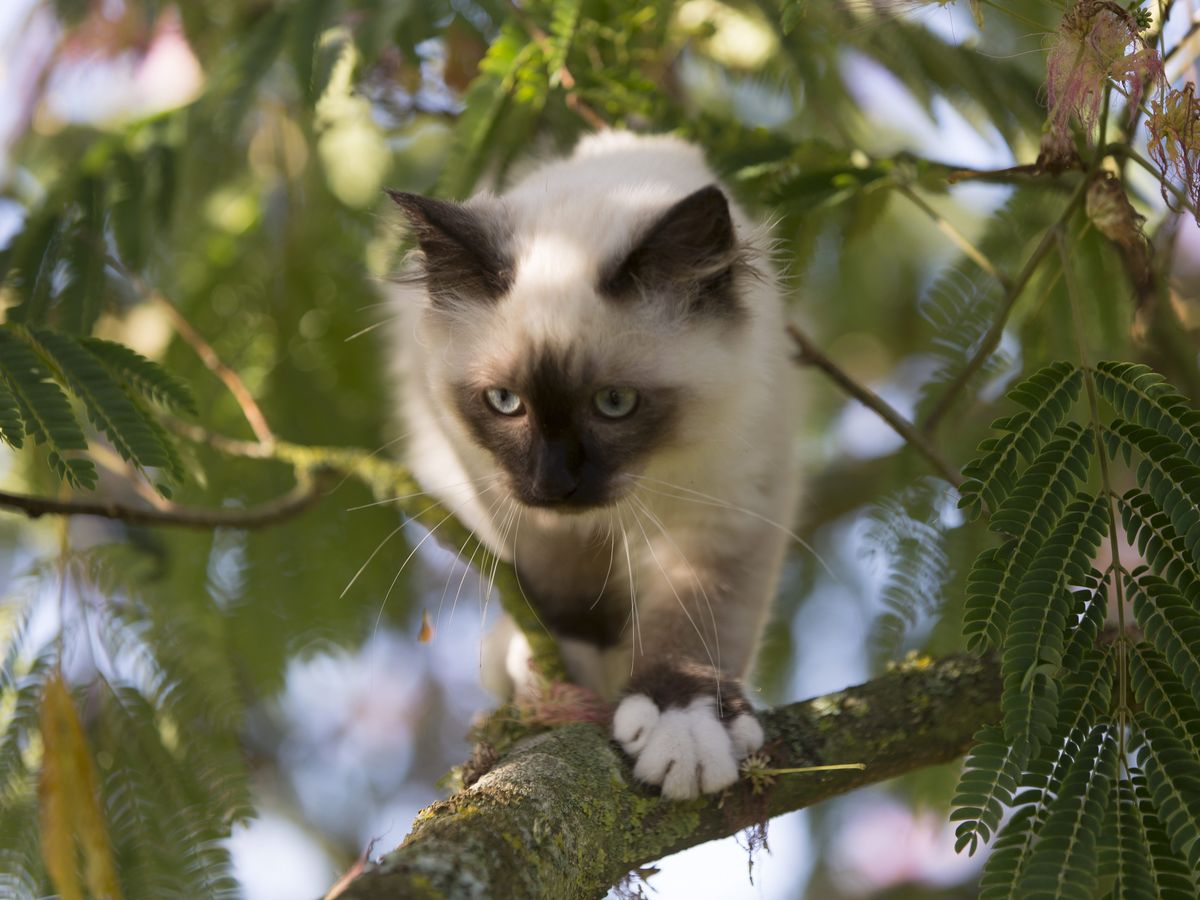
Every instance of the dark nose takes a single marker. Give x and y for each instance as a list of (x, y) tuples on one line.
[(556, 470)]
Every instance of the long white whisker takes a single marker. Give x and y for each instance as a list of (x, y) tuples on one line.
[(612, 552), (431, 492), (407, 559), (712, 616), (710, 500), (634, 625), (671, 584), (517, 572), (458, 557)]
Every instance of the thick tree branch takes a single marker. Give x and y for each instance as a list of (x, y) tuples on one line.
[(560, 815)]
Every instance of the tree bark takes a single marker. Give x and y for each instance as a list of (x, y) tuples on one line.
[(560, 816)]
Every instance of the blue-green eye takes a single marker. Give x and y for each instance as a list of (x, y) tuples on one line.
[(616, 402), (503, 401)]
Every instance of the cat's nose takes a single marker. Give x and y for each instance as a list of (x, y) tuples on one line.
[(555, 477)]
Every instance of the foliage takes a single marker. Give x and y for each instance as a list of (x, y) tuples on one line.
[(1040, 598), (251, 212)]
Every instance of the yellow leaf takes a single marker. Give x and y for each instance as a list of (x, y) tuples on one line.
[(70, 802)]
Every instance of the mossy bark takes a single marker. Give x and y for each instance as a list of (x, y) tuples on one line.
[(560, 815)]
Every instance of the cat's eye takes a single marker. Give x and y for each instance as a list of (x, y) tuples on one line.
[(615, 402), (503, 401)]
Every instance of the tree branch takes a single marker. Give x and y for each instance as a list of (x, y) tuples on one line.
[(561, 816), (309, 489), (810, 354)]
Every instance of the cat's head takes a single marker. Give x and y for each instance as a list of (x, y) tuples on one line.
[(575, 351)]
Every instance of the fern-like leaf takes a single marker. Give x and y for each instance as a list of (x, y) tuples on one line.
[(1047, 396), (112, 410), (1168, 874), (1173, 780), (1142, 396), (1162, 695), (1063, 862), (44, 409), (986, 786), (1048, 484), (1166, 475), (1170, 623), (1156, 539), (1033, 649), (12, 426), (986, 609), (564, 19), (145, 377)]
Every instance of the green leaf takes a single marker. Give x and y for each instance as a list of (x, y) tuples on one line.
[(1162, 695), (1048, 484), (1170, 623), (1034, 643), (1166, 475), (1173, 780), (142, 375), (564, 19), (44, 408), (79, 301), (1047, 396), (1150, 530), (1169, 876), (986, 786), (12, 426), (1144, 397), (128, 428), (1063, 862)]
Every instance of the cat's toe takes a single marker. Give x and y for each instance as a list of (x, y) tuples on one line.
[(633, 722), (687, 751), (746, 733)]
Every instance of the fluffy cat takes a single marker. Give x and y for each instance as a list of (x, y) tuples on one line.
[(597, 380)]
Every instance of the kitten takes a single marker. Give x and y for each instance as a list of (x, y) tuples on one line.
[(597, 380)]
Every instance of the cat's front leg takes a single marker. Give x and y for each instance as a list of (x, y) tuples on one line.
[(686, 727)]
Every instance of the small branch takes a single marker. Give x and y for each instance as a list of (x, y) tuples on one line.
[(811, 355), (960, 240), (307, 492), (562, 816), (991, 338), (233, 382)]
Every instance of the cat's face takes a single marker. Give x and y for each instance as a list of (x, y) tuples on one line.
[(573, 373)]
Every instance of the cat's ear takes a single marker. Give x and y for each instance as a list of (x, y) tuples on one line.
[(690, 249), (463, 249)]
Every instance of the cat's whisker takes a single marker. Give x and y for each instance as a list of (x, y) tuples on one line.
[(407, 559), (517, 572), (712, 616), (509, 514), (372, 327), (483, 479), (458, 557), (634, 624), (612, 552), (671, 584), (709, 500), (391, 534)]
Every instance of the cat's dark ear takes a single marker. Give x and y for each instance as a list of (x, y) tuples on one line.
[(464, 252), (690, 249)]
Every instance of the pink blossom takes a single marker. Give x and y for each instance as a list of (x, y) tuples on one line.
[(1097, 40), (1174, 126)]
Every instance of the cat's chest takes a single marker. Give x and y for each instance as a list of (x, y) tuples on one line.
[(579, 584)]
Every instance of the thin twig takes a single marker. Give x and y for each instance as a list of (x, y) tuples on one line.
[(810, 354), (233, 382), (991, 339), (960, 240), (308, 490)]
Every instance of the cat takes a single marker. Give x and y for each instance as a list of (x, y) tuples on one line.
[(597, 380)]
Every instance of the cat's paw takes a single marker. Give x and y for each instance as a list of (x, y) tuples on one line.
[(686, 747)]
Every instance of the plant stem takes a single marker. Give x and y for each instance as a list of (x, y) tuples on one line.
[(1106, 482), (991, 339)]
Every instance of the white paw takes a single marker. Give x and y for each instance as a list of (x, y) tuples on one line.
[(686, 750)]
